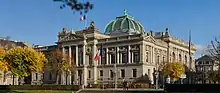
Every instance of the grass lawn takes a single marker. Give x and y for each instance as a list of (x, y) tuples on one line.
[(40, 91)]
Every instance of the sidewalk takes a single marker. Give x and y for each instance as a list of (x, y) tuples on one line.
[(131, 89)]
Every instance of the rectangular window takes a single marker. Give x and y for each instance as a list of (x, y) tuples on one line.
[(103, 56), (124, 57), (89, 74), (90, 60), (134, 71), (111, 74), (50, 76), (147, 57), (136, 57), (36, 76), (122, 73), (113, 58), (101, 73)]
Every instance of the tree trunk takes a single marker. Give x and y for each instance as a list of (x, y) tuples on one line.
[(57, 78), (4, 77)]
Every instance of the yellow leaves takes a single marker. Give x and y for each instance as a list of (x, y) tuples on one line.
[(174, 70), (22, 61), (4, 66)]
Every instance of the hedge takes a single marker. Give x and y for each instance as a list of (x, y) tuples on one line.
[(39, 87)]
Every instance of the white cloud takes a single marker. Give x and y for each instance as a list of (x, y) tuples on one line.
[(200, 50)]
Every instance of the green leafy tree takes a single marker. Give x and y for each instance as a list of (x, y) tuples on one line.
[(23, 61)]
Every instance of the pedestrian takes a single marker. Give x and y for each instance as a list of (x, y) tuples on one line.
[(127, 85)]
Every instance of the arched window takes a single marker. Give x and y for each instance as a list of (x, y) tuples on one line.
[(180, 58), (173, 57)]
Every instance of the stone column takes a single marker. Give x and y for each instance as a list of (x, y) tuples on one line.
[(120, 57), (76, 75), (129, 54), (94, 51), (63, 79), (76, 58), (110, 59), (70, 63), (153, 55), (117, 51), (84, 64), (106, 56), (132, 57)]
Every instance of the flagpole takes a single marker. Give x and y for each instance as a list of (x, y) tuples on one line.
[(190, 48), (190, 55), (85, 23)]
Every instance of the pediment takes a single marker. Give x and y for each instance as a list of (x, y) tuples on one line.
[(69, 36), (149, 39)]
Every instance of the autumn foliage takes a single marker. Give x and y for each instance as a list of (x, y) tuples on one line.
[(174, 70), (23, 61), (3, 63), (59, 63)]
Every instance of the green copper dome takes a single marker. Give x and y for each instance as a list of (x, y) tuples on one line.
[(124, 24)]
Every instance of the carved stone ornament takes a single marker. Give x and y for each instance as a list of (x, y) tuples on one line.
[(150, 39), (88, 50)]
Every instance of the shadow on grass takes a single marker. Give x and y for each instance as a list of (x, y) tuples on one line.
[(8, 91)]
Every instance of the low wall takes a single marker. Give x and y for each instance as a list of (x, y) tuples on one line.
[(39, 87)]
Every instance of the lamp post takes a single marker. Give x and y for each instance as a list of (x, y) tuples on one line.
[(156, 75), (156, 71)]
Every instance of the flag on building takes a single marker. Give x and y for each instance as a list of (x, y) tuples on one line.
[(83, 18), (98, 54)]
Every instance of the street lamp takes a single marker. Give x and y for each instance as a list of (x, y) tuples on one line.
[(156, 75), (156, 71)]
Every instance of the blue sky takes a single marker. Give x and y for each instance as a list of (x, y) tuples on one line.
[(39, 21)]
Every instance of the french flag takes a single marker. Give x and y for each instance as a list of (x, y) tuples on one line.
[(98, 54), (83, 18)]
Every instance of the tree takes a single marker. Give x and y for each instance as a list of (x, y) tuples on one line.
[(59, 63), (23, 61), (214, 51), (214, 76), (3, 65), (75, 5), (173, 69)]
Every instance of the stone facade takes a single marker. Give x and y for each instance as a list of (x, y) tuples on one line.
[(128, 52), (133, 53)]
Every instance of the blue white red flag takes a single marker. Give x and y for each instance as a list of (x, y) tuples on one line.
[(98, 54), (83, 18)]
